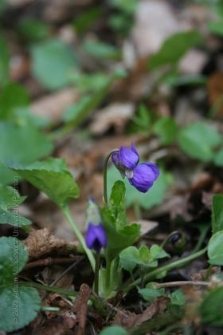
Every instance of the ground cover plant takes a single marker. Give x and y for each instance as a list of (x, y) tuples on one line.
[(111, 155)]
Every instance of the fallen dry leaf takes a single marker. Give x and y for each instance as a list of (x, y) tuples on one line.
[(151, 29), (215, 93), (114, 115), (132, 321), (53, 105), (41, 243)]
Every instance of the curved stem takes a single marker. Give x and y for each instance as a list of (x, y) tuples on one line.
[(80, 237), (166, 268), (105, 170), (168, 238)]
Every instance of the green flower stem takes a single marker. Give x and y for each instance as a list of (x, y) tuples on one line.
[(80, 237), (54, 289), (166, 268), (96, 276), (105, 176)]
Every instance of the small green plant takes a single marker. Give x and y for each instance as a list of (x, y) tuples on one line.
[(109, 237)]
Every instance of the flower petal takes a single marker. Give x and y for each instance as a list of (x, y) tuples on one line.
[(96, 237), (144, 176), (129, 157)]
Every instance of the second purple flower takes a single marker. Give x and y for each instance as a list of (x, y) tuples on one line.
[(140, 175)]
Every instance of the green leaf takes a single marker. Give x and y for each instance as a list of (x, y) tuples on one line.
[(166, 128), (125, 6), (114, 330), (52, 62), (217, 213), (10, 199), (216, 27), (51, 177), (4, 61), (117, 204), (177, 298), (175, 80), (101, 50), (19, 306), (86, 19), (119, 236), (199, 140), (142, 119), (174, 48), (211, 308), (218, 157), (215, 249), (149, 293), (33, 29), (77, 113), (157, 252), (13, 96), (129, 258), (19, 142), (13, 258)]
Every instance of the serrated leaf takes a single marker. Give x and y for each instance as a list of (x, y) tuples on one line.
[(174, 48), (9, 197), (52, 61), (217, 213), (20, 143), (13, 257), (211, 308), (198, 140), (51, 177), (215, 249), (19, 306), (13, 219)]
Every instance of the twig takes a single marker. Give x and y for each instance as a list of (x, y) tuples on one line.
[(183, 283), (49, 261)]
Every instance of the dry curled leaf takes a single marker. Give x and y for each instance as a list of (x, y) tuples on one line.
[(41, 243), (132, 321)]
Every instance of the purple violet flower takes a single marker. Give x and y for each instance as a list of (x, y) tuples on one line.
[(125, 159), (141, 176), (96, 237)]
